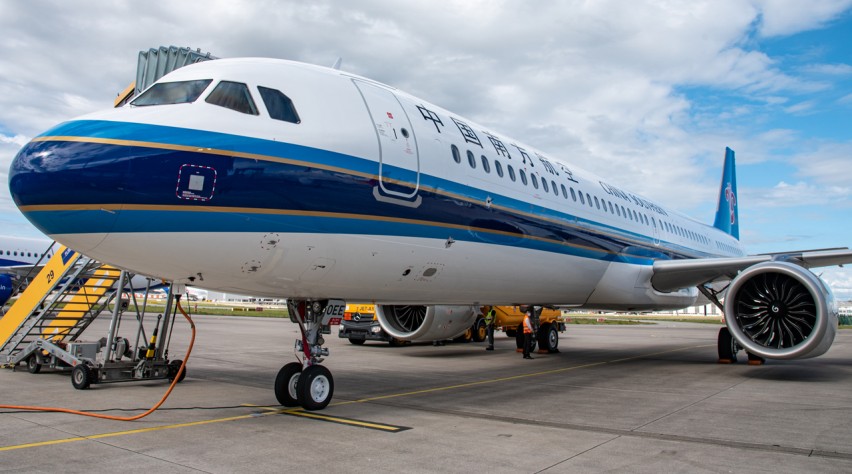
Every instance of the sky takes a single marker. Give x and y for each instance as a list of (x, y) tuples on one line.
[(645, 93)]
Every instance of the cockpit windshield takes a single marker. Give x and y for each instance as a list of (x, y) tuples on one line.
[(164, 93)]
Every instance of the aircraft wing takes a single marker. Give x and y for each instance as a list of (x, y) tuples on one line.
[(21, 271), (670, 275)]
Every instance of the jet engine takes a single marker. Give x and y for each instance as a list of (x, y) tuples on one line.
[(425, 323), (780, 310)]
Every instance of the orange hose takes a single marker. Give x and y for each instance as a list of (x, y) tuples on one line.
[(123, 418)]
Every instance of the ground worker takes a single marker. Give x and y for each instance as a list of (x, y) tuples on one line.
[(528, 331), (490, 316)]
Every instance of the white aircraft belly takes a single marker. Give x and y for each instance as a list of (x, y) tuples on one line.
[(392, 269)]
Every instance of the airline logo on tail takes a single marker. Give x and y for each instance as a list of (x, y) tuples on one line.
[(731, 197), (726, 211)]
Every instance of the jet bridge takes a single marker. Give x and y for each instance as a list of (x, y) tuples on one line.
[(156, 63), (43, 327)]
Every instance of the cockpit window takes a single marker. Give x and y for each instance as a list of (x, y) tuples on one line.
[(164, 93), (280, 106), (234, 96)]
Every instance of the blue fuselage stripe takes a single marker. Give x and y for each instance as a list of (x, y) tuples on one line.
[(126, 188)]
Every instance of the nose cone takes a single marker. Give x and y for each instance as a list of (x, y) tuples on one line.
[(52, 182)]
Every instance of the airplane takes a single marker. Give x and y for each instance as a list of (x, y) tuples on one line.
[(22, 257), (283, 179), (18, 255)]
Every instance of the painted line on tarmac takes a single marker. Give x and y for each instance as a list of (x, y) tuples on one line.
[(515, 377), (334, 419), (267, 412), (129, 432)]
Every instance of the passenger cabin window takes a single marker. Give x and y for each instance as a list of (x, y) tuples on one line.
[(234, 96), (164, 93), (456, 155), (280, 106)]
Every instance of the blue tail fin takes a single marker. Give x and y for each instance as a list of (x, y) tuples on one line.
[(727, 216)]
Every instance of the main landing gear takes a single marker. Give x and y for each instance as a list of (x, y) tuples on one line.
[(728, 349), (306, 383)]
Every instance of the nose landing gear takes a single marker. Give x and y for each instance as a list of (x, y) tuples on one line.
[(306, 383)]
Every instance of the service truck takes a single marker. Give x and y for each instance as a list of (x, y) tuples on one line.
[(360, 324)]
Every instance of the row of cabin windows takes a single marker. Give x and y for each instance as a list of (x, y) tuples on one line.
[(15, 253), (726, 247), (229, 94), (584, 199)]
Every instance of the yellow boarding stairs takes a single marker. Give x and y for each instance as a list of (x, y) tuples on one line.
[(58, 305)]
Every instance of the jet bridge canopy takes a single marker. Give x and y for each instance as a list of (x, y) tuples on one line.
[(156, 63)]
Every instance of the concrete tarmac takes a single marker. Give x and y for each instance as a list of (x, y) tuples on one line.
[(616, 398)]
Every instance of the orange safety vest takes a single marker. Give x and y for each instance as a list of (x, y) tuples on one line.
[(527, 324)]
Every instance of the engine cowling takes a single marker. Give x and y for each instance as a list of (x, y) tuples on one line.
[(425, 323), (780, 310)]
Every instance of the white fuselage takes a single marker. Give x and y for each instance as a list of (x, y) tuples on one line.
[(374, 195)]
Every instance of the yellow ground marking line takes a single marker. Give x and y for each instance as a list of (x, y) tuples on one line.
[(130, 432), (333, 419), (347, 421)]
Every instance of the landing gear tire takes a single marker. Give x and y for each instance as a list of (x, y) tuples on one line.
[(727, 347), (480, 330), (548, 338), (357, 342), (81, 377), (519, 340), (314, 387), (286, 384), (519, 337), (33, 365), (174, 367), (754, 359)]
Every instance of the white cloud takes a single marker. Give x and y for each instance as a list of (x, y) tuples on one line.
[(785, 195), (607, 86), (828, 164), (785, 17)]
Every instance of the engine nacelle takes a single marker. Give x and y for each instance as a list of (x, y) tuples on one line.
[(425, 323), (780, 310)]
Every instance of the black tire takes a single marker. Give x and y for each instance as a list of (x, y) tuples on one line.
[(480, 330), (519, 336), (519, 340), (548, 337), (81, 377), (33, 365), (315, 388), (394, 342), (754, 359), (174, 367), (357, 342), (286, 384), (511, 333), (727, 346)]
